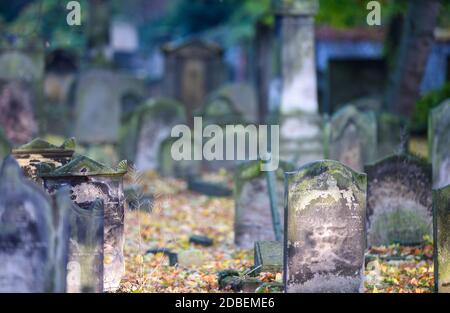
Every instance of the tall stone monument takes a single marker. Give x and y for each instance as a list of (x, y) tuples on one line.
[(300, 132)]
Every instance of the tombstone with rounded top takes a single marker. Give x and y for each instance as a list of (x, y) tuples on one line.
[(325, 239), (398, 201)]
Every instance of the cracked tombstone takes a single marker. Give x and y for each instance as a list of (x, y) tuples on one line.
[(253, 217), (398, 201), (91, 181), (439, 144), (441, 215), (325, 239), (34, 234), (37, 151), (352, 137)]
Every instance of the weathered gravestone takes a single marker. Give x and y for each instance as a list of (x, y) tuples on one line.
[(90, 181), (97, 107), (34, 234), (20, 75), (169, 167), (352, 137), (220, 110), (37, 151), (398, 201), (253, 217), (145, 132), (389, 134), (324, 228), (194, 68), (441, 215), (98, 111), (241, 102), (439, 144)]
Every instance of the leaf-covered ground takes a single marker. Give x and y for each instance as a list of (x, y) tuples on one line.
[(173, 214)]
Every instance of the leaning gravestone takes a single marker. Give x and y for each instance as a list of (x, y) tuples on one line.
[(398, 201), (325, 228), (253, 217), (33, 234), (155, 121), (89, 182), (439, 144), (441, 214), (352, 137)]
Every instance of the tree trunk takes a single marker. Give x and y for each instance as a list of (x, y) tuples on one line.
[(263, 48), (416, 42)]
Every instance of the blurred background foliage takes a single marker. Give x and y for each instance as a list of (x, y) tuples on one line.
[(231, 20)]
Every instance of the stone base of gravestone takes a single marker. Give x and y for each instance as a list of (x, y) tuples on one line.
[(268, 256), (325, 236), (301, 138), (398, 201), (441, 214)]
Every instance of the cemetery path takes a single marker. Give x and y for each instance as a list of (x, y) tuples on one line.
[(177, 213), (175, 216)]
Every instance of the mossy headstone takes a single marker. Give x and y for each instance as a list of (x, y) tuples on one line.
[(34, 234), (441, 207), (37, 151), (439, 144), (253, 217), (398, 201), (268, 256), (325, 239), (352, 137), (154, 121)]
